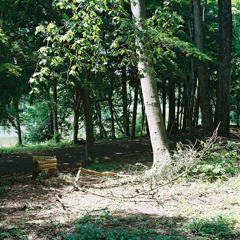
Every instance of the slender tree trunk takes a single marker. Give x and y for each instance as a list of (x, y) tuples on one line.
[(124, 99), (55, 120), (134, 116), (101, 127), (224, 67), (196, 110), (90, 155), (51, 128), (205, 105), (185, 114), (77, 108), (161, 155), (179, 106), (117, 121), (112, 117), (172, 110), (164, 98), (19, 132)]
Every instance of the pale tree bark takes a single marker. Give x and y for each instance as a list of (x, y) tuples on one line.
[(161, 155), (224, 67), (205, 105)]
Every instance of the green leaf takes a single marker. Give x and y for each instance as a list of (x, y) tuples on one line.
[(30, 38), (65, 16)]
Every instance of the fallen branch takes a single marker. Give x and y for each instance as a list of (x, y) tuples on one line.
[(100, 174), (60, 200)]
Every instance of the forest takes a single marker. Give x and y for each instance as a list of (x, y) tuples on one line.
[(90, 72)]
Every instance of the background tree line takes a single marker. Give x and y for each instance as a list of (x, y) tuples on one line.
[(78, 59)]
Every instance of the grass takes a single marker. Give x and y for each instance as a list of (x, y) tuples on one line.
[(46, 146)]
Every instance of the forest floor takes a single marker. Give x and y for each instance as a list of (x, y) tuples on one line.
[(188, 208)]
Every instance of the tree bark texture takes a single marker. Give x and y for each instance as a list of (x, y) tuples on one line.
[(19, 132), (134, 116), (161, 155), (124, 99), (77, 108), (171, 119), (205, 105), (89, 124), (224, 68), (112, 117)]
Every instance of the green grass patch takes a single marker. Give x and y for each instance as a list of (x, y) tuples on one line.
[(222, 162), (49, 145), (214, 228), (108, 227)]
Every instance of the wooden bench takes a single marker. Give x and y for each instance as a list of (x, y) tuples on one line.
[(48, 164)]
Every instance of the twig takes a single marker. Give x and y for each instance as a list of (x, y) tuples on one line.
[(60, 200)]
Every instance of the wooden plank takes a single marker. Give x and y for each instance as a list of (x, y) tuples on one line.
[(46, 162), (47, 166)]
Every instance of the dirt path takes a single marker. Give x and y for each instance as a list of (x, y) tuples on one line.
[(109, 150)]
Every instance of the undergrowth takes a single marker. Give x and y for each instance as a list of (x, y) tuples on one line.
[(215, 228), (222, 162)]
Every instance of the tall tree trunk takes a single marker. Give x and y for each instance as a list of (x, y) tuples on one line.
[(205, 105), (55, 120), (134, 116), (172, 110), (77, 108), (124, 99), (224, 67), (161, 155), (90, 155), (179, 105), (186, 111), (164, 98), (101, 127), (196, 109), (51, 128), (19, 132), (112, 117)]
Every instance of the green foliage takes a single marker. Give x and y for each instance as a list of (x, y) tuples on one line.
[(38, 124), (222, 162), (40, 177), (16, 232), (3, 188), (89, 231), (215, 228)]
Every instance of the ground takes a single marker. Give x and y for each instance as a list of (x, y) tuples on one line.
[(30, 209)]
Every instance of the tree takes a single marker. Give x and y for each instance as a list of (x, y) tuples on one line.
[(205, 105), (224, 67), (161, 155)]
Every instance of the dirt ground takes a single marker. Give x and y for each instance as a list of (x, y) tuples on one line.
[(44, 208)]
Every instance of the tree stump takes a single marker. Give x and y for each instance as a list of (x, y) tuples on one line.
[(46, 164)]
